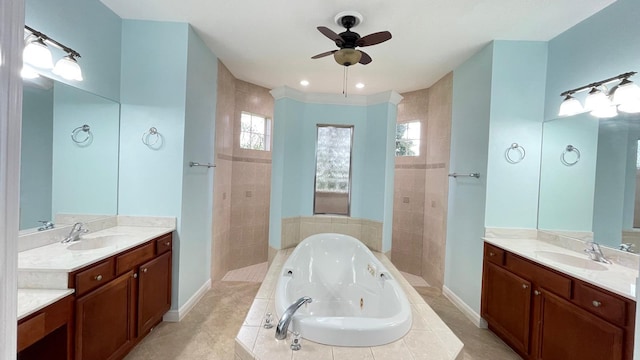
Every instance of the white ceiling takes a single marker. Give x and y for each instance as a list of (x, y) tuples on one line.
[(270, 43)]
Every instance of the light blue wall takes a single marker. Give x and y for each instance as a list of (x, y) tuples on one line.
[(517, 109), (467, 196), (88, 27), (197, 186), (85, 176), (293, 170), (604, 45), (36, 160), (153, 88)]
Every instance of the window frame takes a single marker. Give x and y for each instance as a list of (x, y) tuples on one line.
[(419, 139), (266, 135)]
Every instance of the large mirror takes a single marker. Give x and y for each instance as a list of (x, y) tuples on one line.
[(589, 178), (69, 153), (332, 193)]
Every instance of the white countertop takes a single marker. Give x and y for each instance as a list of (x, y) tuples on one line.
[(32, 300), (43, 271), (56, 257), (616, 278)]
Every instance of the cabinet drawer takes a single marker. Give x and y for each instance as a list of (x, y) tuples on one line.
[(493, 254), (135, 257), (600, 303), (163, 244), (93, 277), (548, 279)]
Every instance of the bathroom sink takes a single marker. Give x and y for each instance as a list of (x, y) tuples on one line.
[(570, 260), (96, 242)]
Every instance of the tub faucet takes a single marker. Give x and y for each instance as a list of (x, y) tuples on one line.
[(283, 325), (76, 231), (595, 253)]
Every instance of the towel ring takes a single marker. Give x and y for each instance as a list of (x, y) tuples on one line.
[(84, 128), (570, 149), (510, 153), (148, 134)]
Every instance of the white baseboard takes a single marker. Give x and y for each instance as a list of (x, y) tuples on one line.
[(178, 315), (466, 309)]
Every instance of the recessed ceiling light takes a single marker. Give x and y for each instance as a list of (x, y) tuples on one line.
[(360, 85), (304, 83)]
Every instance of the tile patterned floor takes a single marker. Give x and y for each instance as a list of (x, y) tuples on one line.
[(253, 273), (209, 330)]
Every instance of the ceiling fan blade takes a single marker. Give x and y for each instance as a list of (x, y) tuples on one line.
[(365, 59), (373, 39), (324, 54), (331, 35)]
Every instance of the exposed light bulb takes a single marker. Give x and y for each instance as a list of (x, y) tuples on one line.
[(68, 68), (36, 53), (304, 82), (570, 106), (360, 85)]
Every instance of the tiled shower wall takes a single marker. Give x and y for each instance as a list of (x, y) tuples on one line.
[(242, 179), (251, 186), (421, 185)]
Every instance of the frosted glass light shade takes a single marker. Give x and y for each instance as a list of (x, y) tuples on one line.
[(68, 68), (570, 106), (595, 100), (347, 57), (28, 72), (625, 92), (631, 107), (36, 53), (605, 112)]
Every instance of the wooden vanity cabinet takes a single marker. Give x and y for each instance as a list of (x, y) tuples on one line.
[(120, 299), (47, 333), (546, 315)]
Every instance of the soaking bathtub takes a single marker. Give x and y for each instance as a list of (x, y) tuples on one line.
[(356, 302)]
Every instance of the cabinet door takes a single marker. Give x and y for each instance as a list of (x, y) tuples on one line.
[(154, 291), (506, 305), (104, 319), (568, 332)]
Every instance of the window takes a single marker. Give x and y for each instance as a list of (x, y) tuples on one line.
[(333, 169), (408, 139), (255, 132)]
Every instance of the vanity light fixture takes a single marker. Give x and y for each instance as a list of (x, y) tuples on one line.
[(601, 102), (304, 82), (36, 53)]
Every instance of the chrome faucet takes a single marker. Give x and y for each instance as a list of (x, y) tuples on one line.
[(76, 231), (283, 324), (627, 247), (595, 253), (46, 225)]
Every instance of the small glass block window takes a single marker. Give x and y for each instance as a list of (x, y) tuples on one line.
[(408, 139), (255, 132)]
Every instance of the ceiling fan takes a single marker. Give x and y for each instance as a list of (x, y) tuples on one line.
[(347, 41)]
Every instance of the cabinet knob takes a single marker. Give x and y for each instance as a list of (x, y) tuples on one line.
[(167, 243), (596, 303), (145, 270), (98, 277), (536, 292), (492, 254), (524, 286), (135, 275)]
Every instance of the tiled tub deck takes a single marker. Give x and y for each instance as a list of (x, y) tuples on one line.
[(429, 337)]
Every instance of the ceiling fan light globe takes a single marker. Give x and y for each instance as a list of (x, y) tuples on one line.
[(347, 57)]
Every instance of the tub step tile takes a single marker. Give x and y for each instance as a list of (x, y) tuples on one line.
[(396, 351), (354, 353)]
